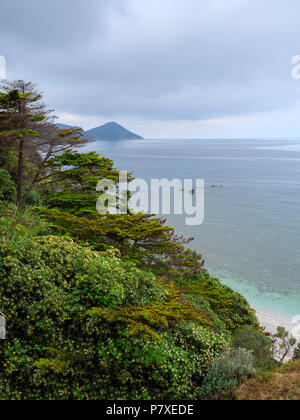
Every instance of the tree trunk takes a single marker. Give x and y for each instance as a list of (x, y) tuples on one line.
[(20, 172), (28, 191)]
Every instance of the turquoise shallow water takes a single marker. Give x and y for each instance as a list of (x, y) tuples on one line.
[(251, 234)]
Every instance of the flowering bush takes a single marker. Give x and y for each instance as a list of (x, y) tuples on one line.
[(258, 342)]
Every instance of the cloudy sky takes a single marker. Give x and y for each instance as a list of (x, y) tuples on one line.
[(163, 68)]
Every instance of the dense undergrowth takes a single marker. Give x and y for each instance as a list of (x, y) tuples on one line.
[(87, 325)]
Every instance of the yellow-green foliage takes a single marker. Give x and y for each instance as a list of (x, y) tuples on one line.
[(56, 366), (231, 307), (143, 320)]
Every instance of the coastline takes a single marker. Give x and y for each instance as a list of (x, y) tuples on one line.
[(271, 322)]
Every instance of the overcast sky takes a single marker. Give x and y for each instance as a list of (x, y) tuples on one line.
[(163, 68)]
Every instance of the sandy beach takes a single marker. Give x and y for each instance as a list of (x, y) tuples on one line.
[(271, 322)]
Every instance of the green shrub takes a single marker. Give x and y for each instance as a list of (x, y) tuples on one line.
[(87, 325), (7, 186), (228, 372), (231, 307), (16, 225), (199, 302), (256, 341), (284, 344), (34, 198), (7, 159), (297, 353)]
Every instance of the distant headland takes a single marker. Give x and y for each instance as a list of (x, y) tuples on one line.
[(109, 131)]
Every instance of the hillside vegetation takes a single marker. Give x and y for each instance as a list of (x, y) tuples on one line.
[(102, 306), (84, 324)]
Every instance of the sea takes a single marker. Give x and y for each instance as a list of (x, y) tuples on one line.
[(250, 237)]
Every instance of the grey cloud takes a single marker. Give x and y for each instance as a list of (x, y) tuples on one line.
[(158, 60), (56, 24)]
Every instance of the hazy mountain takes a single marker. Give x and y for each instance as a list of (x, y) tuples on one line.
[(113, 131), (109, 131)]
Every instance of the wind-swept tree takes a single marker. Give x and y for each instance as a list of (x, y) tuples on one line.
[(140, 237), (27, 128)]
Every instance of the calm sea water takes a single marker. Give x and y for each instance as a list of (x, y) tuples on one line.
[(251, 234)]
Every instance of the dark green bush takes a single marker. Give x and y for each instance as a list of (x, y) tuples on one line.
[(297, 353), (7, 186), (256, 341), (199, 302), (231, 307)]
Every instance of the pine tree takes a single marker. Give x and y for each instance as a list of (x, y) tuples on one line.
[(27, 129)]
